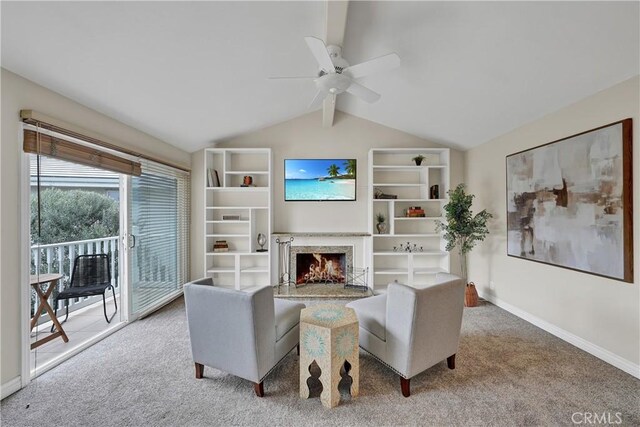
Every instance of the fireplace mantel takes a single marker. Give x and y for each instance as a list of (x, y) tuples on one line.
[(319, 234)]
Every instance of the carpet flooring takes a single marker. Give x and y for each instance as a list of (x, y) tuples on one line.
[(508, 372)]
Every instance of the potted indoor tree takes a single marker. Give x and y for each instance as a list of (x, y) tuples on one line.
[(463, 230)]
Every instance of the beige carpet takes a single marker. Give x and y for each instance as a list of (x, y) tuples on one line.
[(508, 373)]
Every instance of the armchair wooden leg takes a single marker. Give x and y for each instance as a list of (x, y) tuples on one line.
[(451, 361), (258, 387), (199, 370), (404, 385)]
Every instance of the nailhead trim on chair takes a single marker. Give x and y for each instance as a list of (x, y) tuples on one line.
[(384, 363)]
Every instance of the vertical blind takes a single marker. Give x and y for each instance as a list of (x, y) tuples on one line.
[(159, 218)]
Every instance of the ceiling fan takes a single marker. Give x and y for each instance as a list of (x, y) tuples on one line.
[(337, 76)]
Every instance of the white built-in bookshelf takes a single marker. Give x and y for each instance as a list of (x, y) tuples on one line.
[(392, 172), (236, 214)]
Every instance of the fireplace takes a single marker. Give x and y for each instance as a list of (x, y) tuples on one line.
[(320, 264)]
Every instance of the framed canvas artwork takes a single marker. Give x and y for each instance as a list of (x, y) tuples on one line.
[(569, 202)]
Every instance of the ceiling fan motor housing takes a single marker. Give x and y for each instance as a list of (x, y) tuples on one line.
[(335, 53)]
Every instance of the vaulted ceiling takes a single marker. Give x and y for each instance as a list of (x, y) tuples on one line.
[(191, 73)]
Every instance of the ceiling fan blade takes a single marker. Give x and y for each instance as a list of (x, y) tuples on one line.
[(319, 51), (376, 65), (292, 78), (363, 93), (328, 110), (317, 100)]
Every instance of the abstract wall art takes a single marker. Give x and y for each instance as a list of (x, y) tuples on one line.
[(569, 202)]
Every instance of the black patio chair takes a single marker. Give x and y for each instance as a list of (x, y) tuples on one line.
[(91, 276)]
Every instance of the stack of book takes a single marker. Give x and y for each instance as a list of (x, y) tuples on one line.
[(221, 246), (415, 211)]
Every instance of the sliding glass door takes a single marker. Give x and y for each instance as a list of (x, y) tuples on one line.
[(79, 198), (158, 210)]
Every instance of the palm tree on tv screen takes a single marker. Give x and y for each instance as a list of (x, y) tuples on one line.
[(333, 170), (350, 167)]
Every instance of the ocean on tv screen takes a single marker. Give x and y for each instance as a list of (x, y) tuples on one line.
[(312, 189)]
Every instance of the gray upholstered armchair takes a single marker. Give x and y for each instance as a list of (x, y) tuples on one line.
[(411, 329), (243, 333)]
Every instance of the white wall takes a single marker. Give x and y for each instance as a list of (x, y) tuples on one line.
[(599, 314), (304, 137), (17, 94)]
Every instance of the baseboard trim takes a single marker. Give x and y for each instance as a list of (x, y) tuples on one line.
[(593, 349), (10, 387)]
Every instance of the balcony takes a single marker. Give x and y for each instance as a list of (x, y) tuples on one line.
[(86, 320)]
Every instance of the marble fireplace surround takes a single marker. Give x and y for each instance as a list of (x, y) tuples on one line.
[(355, 243)]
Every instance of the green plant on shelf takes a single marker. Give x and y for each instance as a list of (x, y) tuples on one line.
[(418, 159)]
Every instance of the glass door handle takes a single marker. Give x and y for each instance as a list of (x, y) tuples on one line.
[(133, 244)]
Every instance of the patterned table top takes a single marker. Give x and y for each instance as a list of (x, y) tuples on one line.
[(328, 315)]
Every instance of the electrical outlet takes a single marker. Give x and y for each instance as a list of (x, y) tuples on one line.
[(492, 284)]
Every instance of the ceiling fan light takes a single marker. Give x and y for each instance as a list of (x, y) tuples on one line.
[(333, 83)]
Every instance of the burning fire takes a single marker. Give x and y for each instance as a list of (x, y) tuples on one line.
[(322, 269)]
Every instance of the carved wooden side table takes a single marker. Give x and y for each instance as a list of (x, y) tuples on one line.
[(329, 336)]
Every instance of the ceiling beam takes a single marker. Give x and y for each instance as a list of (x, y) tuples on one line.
[(336, 21)]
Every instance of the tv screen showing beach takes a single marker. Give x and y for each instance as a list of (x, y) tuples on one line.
[(319, 179)]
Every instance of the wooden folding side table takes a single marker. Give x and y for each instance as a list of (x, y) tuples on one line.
[(51, 280)]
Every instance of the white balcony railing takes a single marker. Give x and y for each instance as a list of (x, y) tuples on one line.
[(59, 258)]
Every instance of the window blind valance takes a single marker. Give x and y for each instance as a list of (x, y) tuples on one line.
[(40, 143), (64, 129)]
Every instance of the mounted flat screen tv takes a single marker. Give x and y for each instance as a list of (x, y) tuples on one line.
[(319, 180)]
